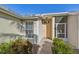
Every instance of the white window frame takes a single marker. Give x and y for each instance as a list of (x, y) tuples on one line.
[(65, 24), (28, 29)]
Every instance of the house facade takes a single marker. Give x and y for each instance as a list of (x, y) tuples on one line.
[(64, 25)]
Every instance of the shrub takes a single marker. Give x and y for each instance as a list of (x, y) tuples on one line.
[(4, 48), (21, 46), (60, 47), (18, 46)]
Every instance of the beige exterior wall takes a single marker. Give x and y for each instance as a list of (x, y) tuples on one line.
[(7, 28), (38, 30), (73, 30), (43, 31)]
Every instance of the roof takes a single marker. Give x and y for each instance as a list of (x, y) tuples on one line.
[(58, 14)]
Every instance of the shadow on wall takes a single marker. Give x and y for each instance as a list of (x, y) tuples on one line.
[(33, 38), (9, 36)]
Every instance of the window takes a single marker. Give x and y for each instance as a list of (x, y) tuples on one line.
[(29, 29), (61, 26), (61, 19), (61, 30)]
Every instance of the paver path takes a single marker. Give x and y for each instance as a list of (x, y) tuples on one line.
[(35, 48), (45, 47)]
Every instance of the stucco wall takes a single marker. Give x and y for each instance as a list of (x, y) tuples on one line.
[(44, 31), (73, 30), (38, 30), (7, 28)]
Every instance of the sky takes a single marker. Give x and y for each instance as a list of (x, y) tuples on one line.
[(28, 9)]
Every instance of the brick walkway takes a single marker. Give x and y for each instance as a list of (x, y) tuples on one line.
[(45, 47)]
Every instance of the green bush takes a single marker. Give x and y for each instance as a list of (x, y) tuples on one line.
[(4, 48), (18, 46), (21, 46), (60, 47)]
